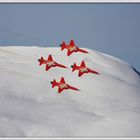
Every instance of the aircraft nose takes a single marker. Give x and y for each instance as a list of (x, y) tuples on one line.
[(51, 82), (71, 66), (60, 45)]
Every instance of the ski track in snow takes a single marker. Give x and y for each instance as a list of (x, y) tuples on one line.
[(106, 105)]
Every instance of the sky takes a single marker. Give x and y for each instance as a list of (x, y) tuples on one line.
[(110, 28)]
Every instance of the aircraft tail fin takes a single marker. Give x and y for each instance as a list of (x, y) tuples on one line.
[(41, 61), (54, 83), (63, 46), (74, 67)]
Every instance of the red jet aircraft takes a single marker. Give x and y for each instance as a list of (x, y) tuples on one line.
[(71, 48), (82, 69), (50, 63), (62, 85)]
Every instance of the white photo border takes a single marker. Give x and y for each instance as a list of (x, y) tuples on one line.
[(79, 2)]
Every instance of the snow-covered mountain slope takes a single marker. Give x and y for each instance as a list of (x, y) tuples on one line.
[(106, 105)]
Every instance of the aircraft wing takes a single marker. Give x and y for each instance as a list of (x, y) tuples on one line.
[(72, 43), (60, 90), (62, 80), (83, 64), (50, 58), (47, 67), (69, 53), (80, 73)]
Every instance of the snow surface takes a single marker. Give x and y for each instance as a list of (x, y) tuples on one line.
[(106, 105)]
